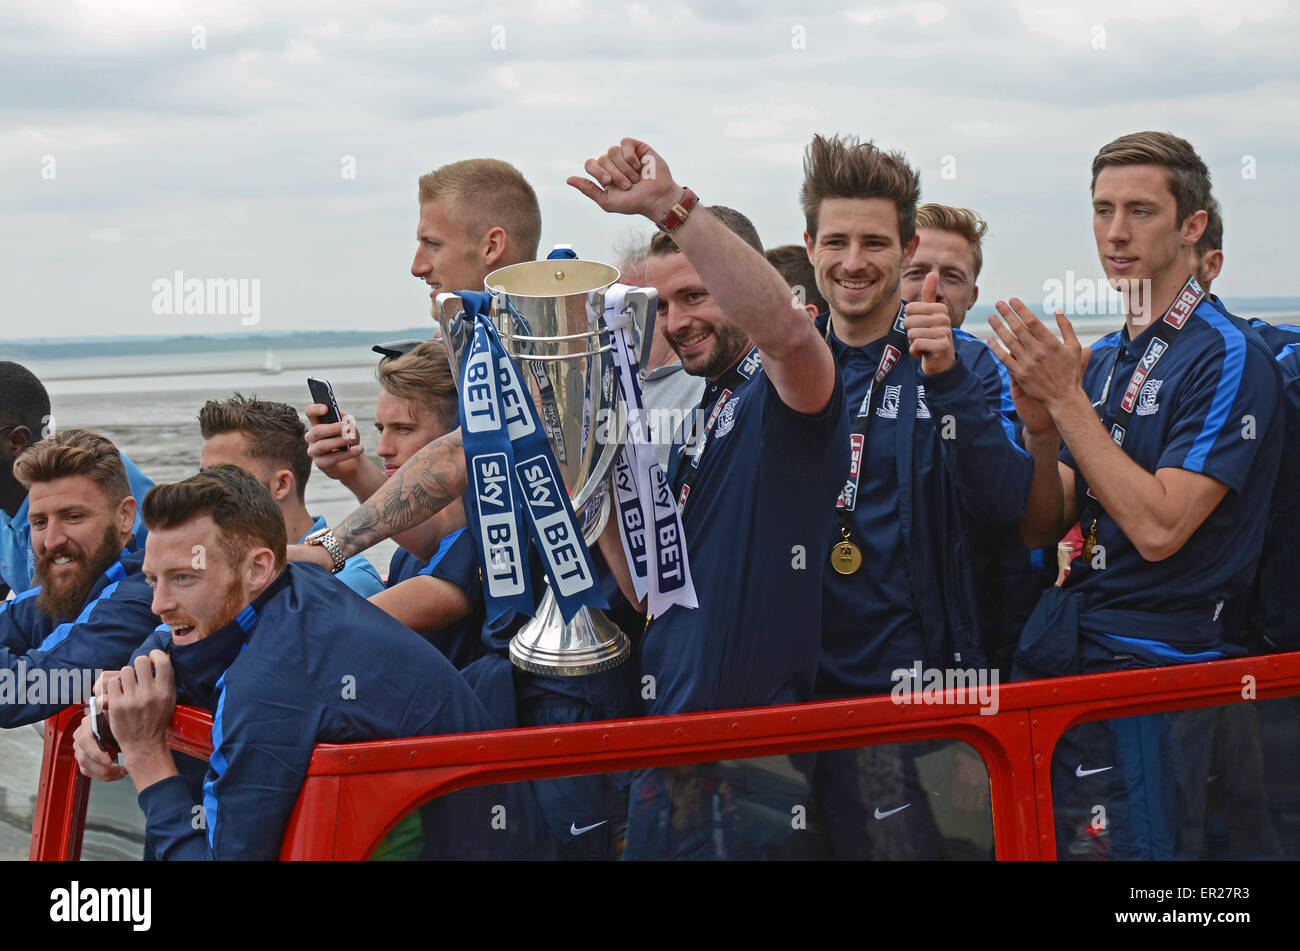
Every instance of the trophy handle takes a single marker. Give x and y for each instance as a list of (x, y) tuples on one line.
[(448, 312), (644, 304)]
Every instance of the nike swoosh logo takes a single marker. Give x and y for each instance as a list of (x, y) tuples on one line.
[(1081, 772), (882, 815), (574, 830)]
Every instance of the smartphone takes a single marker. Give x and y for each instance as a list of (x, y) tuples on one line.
[(99, 727), (323, 393)]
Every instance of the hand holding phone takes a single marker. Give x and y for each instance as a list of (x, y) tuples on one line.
[(322, 392), (332, 440), (99, 727)]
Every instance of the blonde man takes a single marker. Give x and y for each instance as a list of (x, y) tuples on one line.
[(950, 248), (476, 216)]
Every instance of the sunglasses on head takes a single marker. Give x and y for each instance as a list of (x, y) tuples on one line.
[(395, 349)]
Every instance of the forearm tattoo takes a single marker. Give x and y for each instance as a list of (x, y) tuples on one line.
[(428, 482)]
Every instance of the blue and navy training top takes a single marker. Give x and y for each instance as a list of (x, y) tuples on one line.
[(307, 662), (1211, 405), (64, 659), (402, 565), (1272, 615), (456, 562)]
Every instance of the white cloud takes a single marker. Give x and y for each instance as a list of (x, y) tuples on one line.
[(107, 236), (227, 161)]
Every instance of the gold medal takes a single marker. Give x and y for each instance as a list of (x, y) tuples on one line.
[(1090, 543), (846, 557)]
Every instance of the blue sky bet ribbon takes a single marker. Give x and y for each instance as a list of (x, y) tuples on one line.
[(493, 508), (546, 499)]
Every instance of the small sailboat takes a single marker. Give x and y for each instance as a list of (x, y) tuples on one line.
[(272, 365)]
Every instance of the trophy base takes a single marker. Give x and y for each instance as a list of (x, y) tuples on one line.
[(589, 644)]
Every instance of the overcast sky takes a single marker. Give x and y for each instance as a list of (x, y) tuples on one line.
[(140, 138)]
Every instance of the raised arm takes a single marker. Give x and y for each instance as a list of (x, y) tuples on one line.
[(634, 180)]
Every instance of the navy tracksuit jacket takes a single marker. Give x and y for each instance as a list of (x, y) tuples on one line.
[(308, 662)]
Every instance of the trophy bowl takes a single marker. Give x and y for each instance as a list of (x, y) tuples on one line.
[(549, 316)]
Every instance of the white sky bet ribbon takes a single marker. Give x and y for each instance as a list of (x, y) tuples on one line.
[(648, 520)]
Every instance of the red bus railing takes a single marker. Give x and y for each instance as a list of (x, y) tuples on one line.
[(354, 794)]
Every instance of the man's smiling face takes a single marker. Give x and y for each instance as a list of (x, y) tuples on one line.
[(405, 427), (706, 342), (947, 255), (76, 534), (857, 255)]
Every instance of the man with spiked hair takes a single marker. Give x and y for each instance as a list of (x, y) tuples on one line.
[(932, 461)]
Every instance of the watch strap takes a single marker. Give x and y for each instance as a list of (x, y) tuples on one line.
[(679, 212), (325, 538)]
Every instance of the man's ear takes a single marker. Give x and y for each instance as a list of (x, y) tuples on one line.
[(809, 242), (260, 570), (124, 517), (974, 296), (1195, 226), (282, 484), (812, 311), (1211, 266), (18, 439), (910, 250), (494, 246)]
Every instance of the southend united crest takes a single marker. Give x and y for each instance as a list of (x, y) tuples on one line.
[(1147, 404), (727, 418)]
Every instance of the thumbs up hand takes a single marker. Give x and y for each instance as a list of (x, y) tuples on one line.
[(929, 330)]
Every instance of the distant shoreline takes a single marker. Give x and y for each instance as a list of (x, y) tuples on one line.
[(311, 367)]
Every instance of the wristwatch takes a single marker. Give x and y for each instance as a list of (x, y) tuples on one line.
[(325, 538), (671, 221)]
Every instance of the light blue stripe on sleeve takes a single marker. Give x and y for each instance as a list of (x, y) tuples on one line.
[(1008, 404), (218, 763), (443, 547), (60, 633), (1225, 394)]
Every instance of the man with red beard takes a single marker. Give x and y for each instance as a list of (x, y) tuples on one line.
[(89, 608)]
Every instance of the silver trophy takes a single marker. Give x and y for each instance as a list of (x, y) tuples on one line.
[(550, 318)]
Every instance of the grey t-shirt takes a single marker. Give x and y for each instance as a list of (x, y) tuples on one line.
[(669, 394)]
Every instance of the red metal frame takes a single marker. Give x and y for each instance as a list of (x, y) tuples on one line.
[(354, 794)]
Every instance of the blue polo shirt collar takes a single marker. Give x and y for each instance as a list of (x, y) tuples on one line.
[(317, 524)]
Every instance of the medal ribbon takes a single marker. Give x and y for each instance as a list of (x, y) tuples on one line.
[(512, 472), (649, 523), (895, 347), (1166, 332)]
